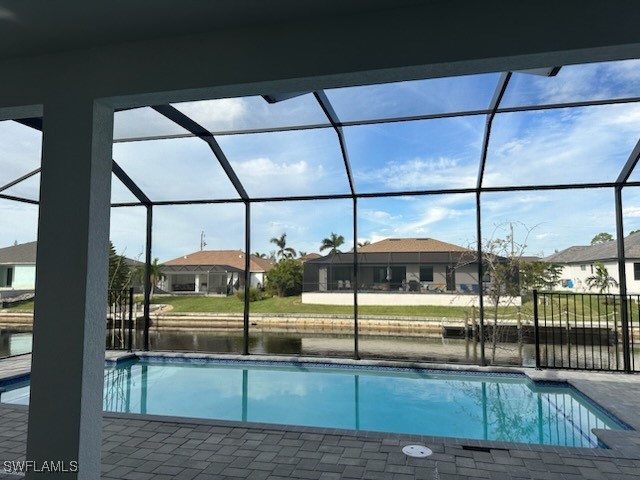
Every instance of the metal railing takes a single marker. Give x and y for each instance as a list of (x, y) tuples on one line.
[(586, 331), (120, 320)]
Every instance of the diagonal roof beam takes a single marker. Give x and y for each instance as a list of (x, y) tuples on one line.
[(629, 165), (36, 123), (19, 199), (199, 131), (328, 110), (129, 183), (495, 104), (19, 180)]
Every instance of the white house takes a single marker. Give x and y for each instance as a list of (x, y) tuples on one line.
[(578, 264), (17, 268), (216, 272)]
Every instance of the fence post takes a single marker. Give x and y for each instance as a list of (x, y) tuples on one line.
[(536, 329), (130, 332)]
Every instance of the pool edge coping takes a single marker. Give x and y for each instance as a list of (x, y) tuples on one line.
[(115, 358)]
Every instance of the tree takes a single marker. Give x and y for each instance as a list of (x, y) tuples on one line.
[(501, 263), (156, 274), (119, 271), (259, 255), (283, 252), (301, 254), (364, 244), (602, 237), (333, 242), (285, 278), (539, 275), (601, 280)]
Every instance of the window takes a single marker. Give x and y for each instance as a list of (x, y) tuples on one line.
[(583, 267), (379, 275), (426, 274), (9, 276), (636, 271)]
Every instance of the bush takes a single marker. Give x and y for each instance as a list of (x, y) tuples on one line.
[(285, 278), (255, 294)]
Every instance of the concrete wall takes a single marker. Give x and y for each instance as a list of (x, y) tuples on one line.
[(401, 299)]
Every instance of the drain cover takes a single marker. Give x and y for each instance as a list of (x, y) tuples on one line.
[(419, 451)]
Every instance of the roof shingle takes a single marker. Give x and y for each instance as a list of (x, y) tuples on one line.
[(232, 258), (411, 245), (19, 254)]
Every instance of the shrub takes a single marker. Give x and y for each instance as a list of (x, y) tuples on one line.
[(255, 294), (285, 278)]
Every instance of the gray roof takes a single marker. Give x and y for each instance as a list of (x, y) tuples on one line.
[(25, 253), (19, 254), (597, 253)]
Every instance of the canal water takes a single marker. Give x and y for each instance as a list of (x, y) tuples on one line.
[(391, 347)]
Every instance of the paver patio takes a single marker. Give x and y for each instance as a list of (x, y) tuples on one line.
[(154, 447)]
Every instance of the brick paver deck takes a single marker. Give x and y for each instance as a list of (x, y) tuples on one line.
[(152, 447)]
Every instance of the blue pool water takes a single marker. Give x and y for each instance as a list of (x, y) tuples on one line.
[(469, 405)]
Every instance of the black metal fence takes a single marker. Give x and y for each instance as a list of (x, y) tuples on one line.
[(587, 331), (120, 330)]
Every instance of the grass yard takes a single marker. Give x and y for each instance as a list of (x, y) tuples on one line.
[(232, 304), (192, 304), (22, 307)]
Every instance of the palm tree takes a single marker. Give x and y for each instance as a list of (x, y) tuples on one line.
[(156, 274), (283, 250), (333, 242), (301, 254), (601, 280), (259, 255), (364, 244)]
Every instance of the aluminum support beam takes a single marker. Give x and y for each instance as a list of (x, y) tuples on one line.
[(129, 183), (503, 82), (19, 199), (622, 276), (247, 277), (179, 118), (501, 87), (356, 277), (19, 180), (328, 110), (147, 277), (409, 118), (630, 164)]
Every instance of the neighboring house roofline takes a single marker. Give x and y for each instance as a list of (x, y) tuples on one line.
[(233, 259), (602, 252)]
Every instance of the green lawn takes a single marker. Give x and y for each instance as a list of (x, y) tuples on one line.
[(22, 307), (294, 305), (196, 304)]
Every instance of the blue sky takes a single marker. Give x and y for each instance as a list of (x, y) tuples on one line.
[(586, 144)]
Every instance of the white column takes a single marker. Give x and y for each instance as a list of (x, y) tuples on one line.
[(67, 373), (197, 283)]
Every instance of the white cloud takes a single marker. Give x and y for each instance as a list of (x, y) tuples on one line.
[(421, 173), (220, 114), (632, 212)]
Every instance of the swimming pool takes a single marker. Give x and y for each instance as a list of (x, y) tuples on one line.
[(500, 407)]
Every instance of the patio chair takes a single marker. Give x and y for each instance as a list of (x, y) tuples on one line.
[(464, 288), (340, 284), (347, 284)]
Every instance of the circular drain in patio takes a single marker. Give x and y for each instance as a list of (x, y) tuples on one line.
[(419, 451)]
